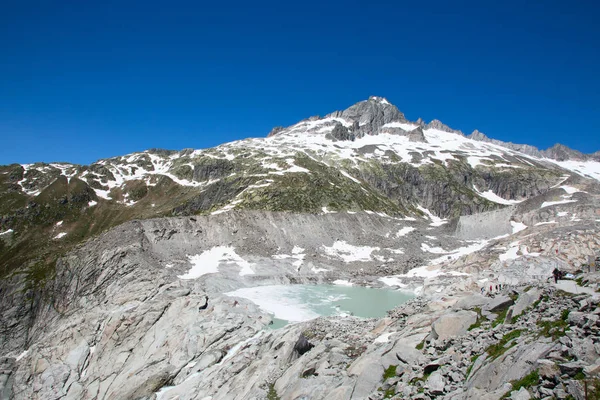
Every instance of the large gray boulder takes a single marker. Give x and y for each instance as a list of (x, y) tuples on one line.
[(453, 324), (523, 302), (513, 365)]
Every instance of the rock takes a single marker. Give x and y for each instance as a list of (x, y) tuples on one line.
[(522, 394), (453, 324), (525, 300), (435, 383), (499, 303), (513, 365), (576, 318), (592, 370), (302, 345), (472, 301), (576, 389), (547, 369), (571, 368), (407, 353)]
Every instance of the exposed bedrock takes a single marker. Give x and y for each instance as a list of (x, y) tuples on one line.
[(485, 225)]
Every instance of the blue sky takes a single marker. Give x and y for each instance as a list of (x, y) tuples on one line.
[(89, 80)]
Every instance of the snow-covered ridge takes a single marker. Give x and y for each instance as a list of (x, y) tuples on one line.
[(276, 154)]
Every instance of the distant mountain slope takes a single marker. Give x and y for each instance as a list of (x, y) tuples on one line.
[(365, 158)]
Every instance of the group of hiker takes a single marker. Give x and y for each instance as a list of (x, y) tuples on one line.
[(492, 288)]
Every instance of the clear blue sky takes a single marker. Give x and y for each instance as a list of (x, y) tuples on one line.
[(83, 80)]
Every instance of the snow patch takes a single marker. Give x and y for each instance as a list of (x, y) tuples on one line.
[(349, 253), (208, 262), (402, 125), (545, 223), (571, 189), (435, 221), (491, 196), (517, 226), (342, 282), (22, 355), (392, 281), (60, 235), (383, 338), (404, 231), (554, 203), (347, 175)]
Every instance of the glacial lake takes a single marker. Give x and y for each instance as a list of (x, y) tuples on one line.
[(296, 303)]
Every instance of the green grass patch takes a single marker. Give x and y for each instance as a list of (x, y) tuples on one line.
[(528, 380), (421, 345), (470, 367), (389, 372), (272, 393), (480, 319), (497, 349), (555, 329), (500, 318)]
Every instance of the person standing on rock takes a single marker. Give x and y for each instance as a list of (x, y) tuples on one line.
[(556, 274)]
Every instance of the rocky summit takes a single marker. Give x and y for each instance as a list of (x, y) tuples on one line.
[(193, 274)]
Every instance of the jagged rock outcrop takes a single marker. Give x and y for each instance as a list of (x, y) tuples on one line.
[(561, 152), (523, 148), (340, 132), (439, 125), (370, 115)]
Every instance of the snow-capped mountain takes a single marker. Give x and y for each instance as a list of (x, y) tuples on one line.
[(368, 157), (107, 269)]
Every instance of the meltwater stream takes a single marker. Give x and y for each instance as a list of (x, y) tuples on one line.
[(296, 303)]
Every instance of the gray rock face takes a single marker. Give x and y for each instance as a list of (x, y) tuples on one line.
[(340, 132), (416, 135), (513, 365), (437, 124), (557, 152), (485, 225), (525, 300), (523, 148), (453, 324), (561, 152), (370, 115)]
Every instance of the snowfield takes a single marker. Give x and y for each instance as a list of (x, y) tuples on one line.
[(208, 262)]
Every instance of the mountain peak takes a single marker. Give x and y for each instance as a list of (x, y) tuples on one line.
[(561, 152), (369, 116), (380, 100)]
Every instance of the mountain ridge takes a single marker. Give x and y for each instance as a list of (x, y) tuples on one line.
[(557, 151)]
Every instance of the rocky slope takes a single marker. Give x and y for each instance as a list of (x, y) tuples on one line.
[(102, 294)]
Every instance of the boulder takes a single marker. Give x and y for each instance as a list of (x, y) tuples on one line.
[(547, 369), (435, 383), (522, 394), (499, 303), (302, 345), (453, 324), (571, 368), (524, 301)]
